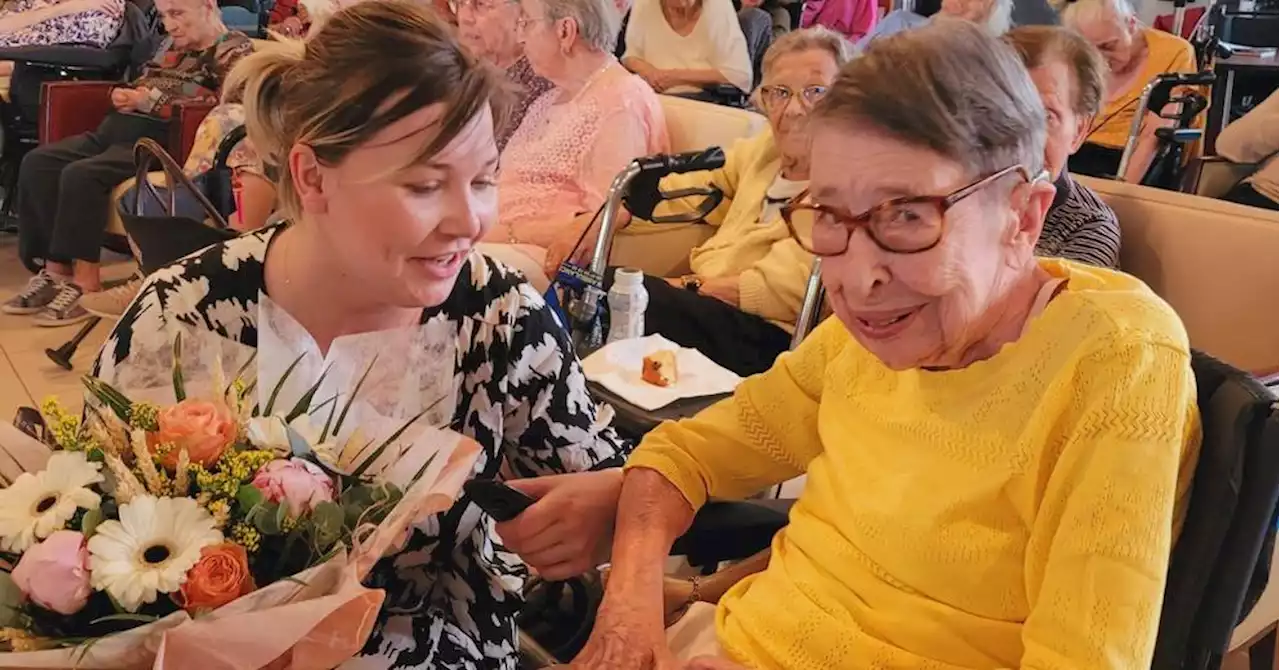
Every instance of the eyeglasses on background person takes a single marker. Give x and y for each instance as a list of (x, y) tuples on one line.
[(907, 225), (776, 96)]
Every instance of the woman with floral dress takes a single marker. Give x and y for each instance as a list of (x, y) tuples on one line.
[(386, 191), (25, 23)]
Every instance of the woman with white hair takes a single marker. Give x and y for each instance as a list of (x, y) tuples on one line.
[(993, 15), (999, 447), (682, 46), (574, 139), (740, 300), (1135, 54)]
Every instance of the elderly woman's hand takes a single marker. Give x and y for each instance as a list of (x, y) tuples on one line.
[(625, 639)]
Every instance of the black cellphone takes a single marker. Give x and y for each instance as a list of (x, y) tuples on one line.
[(500, 501)]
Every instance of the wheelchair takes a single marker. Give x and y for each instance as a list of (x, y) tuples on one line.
[(137, 43)]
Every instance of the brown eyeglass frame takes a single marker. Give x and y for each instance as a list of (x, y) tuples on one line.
[(852, 223)]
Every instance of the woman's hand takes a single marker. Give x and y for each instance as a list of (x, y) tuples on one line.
[(290, 27), (558, 253), (625, 639), (561, 534)]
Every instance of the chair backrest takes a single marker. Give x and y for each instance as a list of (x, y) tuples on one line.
[(1214, 262), (694, 125), (1230, 520)]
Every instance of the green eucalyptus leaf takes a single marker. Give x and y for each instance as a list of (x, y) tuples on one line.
[(282, 514), (10, 600), (266, 518), (328, 518), (248, 497), (89, 524)]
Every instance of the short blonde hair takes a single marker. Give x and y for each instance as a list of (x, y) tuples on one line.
[(370, 66), (817, 38)]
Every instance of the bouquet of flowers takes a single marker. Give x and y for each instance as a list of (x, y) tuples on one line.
[(175, 534)]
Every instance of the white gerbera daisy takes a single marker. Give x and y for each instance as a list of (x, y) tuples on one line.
[(36, 505), (150, 549)]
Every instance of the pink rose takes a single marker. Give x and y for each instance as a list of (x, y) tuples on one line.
[(296, 482), (55, 573), (205, 429)]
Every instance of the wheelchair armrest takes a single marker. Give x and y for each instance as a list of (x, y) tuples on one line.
[(731, 531), (727, 94), (186, 120), (72, 107)]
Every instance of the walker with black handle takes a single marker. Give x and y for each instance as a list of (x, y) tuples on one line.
[(637, 189), (1160, 92)]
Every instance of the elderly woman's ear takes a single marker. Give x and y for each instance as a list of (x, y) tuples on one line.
[(1030, 203)]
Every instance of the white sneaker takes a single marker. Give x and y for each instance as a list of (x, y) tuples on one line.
[(111, 303)]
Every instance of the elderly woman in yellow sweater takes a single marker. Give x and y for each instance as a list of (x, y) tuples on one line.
[(998, 447), (740, 303)]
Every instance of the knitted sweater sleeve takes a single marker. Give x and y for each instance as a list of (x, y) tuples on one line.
[(1113, 495), (767, 433)]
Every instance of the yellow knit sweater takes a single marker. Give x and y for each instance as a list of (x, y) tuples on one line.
[(771, 268), (1015, 513)]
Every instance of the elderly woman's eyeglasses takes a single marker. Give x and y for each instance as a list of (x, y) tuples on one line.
[(775, 96), (908, 225)]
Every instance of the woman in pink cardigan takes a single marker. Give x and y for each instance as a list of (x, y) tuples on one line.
[(852, 18), (575, 138)]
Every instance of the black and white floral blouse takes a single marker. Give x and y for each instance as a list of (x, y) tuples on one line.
[(453, 591)]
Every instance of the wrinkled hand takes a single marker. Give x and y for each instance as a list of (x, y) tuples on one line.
[(560, 534), (624, 640), (127, 99), (559, 252)]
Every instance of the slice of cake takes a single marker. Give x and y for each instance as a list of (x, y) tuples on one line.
[(659, 368)]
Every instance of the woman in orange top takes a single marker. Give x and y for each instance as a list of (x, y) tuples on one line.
[(1136, 54)]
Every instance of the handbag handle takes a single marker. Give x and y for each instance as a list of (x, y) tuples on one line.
[(148, 150)]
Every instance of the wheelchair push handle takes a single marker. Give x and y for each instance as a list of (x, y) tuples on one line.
[(662, 165)]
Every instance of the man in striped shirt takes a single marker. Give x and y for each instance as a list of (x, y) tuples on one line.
[(1071, 77)]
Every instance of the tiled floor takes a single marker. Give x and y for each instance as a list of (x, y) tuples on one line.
[(27, 376)]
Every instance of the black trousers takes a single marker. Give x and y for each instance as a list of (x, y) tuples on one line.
[(64, 188), (743, 343), (1245, 194)]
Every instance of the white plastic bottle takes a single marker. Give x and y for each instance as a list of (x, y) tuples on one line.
[(628, 300)]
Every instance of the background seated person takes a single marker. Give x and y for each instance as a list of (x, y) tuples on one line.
[(1135, 54), (748, 280), (1252, 139), (64, 189), (25, 23), (1071, 78), (490, 29), (853, 19), (682, 46), (994, 15), (574, 140), (255, 195), (998, 447)]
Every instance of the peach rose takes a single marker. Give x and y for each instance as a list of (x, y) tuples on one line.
[(219, 577), (205, 429)]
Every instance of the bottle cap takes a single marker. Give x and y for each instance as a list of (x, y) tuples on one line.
[(628, 277)]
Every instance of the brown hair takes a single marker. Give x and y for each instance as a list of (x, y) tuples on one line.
[(368, 67), (1040, 45), (947, 86)]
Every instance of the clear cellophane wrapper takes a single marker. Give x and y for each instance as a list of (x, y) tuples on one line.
[(322, 616)]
